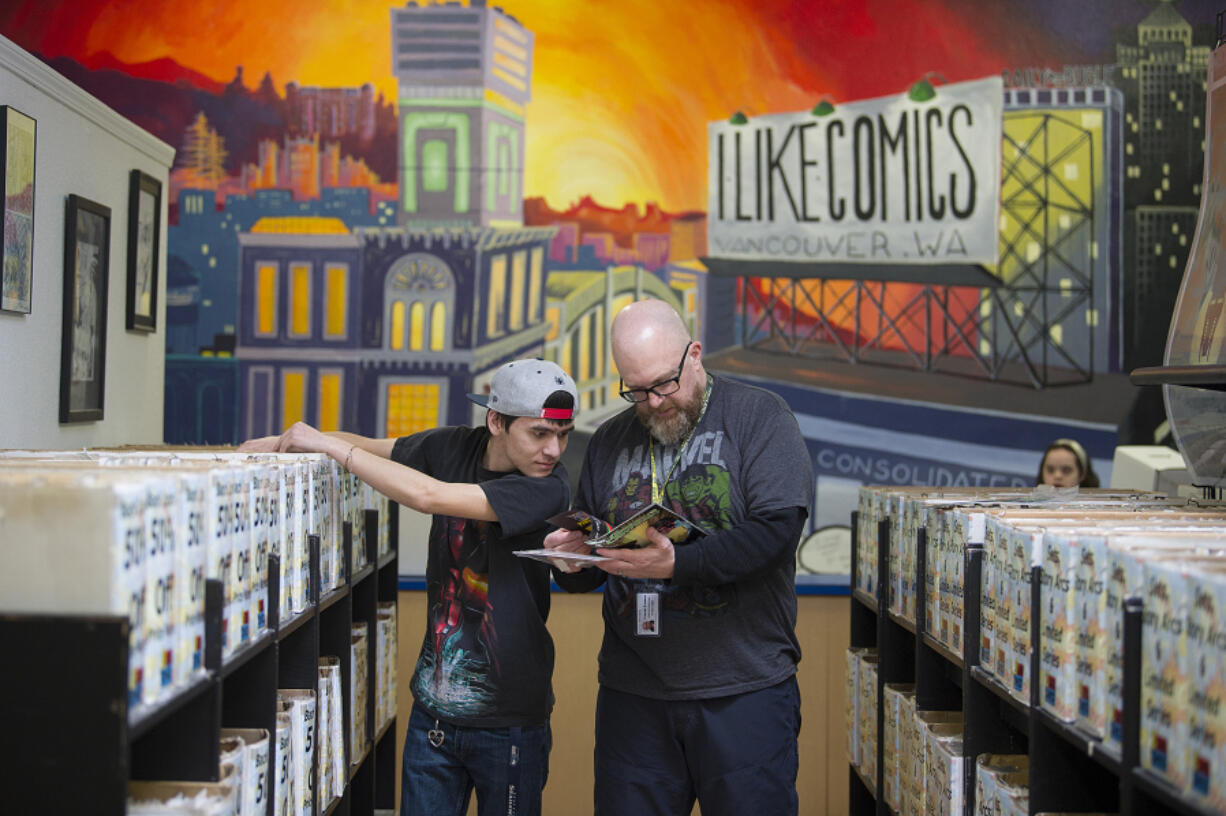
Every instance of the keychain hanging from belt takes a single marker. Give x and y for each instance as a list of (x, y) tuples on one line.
[(647, 599)]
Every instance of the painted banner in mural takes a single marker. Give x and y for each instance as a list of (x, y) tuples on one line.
[(890, 180)]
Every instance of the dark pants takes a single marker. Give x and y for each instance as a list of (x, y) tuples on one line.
[(507, 766), (736, 754)]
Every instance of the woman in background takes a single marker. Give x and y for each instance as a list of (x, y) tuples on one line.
[(1065, 464)]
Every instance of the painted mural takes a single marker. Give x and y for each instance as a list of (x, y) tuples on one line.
[(374, 207)]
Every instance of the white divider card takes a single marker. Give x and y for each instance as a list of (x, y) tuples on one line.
[(933, 563), (283, 790), (379, 502), (264, 526), (907, 736), (943, 763), (355, 513), (385, 663), (254, 788), (904, 564), (359, 683), (244, 542), (305, 513), (892, 739), (302, 749), (330, 678), (325, 745), (1125, 578), (1207, 692), (324, 487), (92, 557), (866, 711), (1025, 553), (193, 493), (336, 519), (331, 732), (1089, 599), (219, 541), (920, 773), (315, 520), (1164, 671), (851, 702), (996, 604), (162, 544), (1057, 636), (289, 524)]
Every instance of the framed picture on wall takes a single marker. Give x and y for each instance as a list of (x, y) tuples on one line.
[(87, 239), (17, 143), (144, 238)]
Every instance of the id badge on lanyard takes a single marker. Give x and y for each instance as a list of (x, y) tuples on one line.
[(647, 598), (647, 612)]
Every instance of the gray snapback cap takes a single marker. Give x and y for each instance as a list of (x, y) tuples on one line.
[(519, 389)]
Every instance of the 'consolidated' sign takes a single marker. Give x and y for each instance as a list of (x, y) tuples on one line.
[(884, 181)]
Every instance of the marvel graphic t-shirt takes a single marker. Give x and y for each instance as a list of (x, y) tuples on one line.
[(487, 659), (745, 457)]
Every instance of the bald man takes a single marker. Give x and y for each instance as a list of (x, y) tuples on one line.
[(698, 696)]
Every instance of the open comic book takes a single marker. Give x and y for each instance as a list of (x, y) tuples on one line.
[(630, 533)]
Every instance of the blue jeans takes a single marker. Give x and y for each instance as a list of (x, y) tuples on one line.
[(507, 766), (737, 755)]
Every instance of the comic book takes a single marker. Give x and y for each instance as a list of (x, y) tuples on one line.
[(630, 533)]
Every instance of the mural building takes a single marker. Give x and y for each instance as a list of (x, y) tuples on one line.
[(942, 251)]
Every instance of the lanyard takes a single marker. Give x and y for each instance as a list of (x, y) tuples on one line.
[(657, 490)]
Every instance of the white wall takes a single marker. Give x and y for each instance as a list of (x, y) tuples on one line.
[(82, 147)]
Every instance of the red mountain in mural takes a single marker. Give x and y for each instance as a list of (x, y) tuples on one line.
[(160, 70), (592, 217)]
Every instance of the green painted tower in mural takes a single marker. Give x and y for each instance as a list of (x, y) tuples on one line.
[(465, 77)]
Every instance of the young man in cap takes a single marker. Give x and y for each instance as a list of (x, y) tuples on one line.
[(482, 686)]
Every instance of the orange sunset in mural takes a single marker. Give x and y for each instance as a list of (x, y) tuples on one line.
[(621, 92)]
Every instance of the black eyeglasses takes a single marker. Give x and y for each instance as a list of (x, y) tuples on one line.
[(660, 389)]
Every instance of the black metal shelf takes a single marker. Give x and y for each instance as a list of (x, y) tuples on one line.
[(84, 731), (1163, 798), (864, 598), (899, 620), (335, 805), (355, 765), (387, 559), (247, 652), (296, 622), (338, 594), (993, 685), (1070, 770), (150, 717), (944, 651), (869, 784), (1011, 710), (362, 574), (1086, 744)]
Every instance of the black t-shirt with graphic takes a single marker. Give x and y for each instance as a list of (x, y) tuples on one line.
[(745, 461), (487, 659)]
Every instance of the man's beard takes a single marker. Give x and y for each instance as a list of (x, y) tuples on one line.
[(672, 429)]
